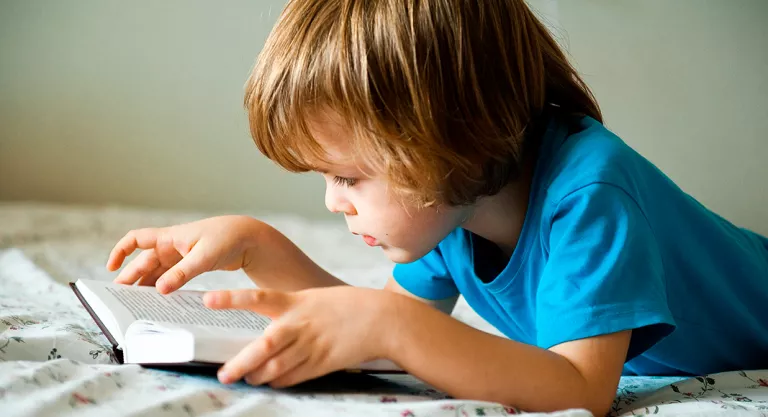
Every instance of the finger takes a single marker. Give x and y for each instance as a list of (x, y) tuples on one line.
[(150, 279), (281, 364), (187, 268), (270, 303), (302, 372), (168, 256), (144, 264), (273, 341), (167, 252), (135, 239)]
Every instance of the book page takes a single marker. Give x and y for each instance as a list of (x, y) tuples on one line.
[(115, 318), (183, 307)]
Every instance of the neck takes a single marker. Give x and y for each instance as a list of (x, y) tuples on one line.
[(499, 218)]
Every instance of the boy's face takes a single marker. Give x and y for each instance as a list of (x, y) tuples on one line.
[(404, 232)]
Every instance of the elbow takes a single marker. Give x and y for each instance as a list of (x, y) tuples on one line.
[(597, 403), (600, 411), (599, 406)]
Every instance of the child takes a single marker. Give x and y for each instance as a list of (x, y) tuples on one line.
[(455, 136)]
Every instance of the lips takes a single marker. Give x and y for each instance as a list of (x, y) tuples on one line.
[(370, 240)]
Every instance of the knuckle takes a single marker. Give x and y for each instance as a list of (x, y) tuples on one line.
[(147, 257), (134, 233), (179, 275), (141, 270), (284, 381), (268, 343), (225, 298), (127, 240), (257, 296), (278, 333), (276, 366), (302, 325), (251, 379), (164, 241)]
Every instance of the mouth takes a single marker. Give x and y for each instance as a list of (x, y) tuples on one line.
[(368, 239)]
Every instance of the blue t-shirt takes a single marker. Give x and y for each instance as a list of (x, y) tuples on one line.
[(609, 243)]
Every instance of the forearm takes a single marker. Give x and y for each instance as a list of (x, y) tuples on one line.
[(468, 363), (274, 261)]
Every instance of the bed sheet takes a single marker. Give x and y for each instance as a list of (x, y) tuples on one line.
[(55, 361)]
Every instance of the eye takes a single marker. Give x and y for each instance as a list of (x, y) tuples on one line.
[(345, 182)]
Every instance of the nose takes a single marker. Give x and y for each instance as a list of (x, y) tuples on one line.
[(337, 203)]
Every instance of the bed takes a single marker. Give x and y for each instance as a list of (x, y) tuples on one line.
[(54, 360)]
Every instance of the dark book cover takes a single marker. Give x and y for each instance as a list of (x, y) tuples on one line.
[(118, 352)]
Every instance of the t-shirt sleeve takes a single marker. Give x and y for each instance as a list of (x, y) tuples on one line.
[(427, 277), (604, 273)]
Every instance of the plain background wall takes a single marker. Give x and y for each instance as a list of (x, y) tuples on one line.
[(140, 103)]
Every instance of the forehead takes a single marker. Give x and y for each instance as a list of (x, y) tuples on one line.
[(335, 137)]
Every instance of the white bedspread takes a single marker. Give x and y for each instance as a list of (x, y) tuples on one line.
[(54, 360)]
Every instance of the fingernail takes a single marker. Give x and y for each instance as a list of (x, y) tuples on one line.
[(223, 377)]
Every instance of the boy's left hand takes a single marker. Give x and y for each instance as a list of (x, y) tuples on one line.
[(314, 332)]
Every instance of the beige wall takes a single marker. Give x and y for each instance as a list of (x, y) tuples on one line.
[(140, 102), (137, 102), (685, 83)]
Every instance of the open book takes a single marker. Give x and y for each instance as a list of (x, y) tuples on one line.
[(145, 327)]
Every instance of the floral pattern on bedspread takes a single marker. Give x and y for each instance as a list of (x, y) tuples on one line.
[(39, 320), (73, 387), (66, 387), (728, 392)]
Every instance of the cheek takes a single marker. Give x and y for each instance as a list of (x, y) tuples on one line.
[(418, 233), (412, 231), (410, 239)]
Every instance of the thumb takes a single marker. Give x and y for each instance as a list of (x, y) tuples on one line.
[(187, 268), (271, 303)]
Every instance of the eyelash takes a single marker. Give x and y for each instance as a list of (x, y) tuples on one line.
[(344, 182)]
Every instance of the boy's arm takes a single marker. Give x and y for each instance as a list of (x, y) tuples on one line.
[(445, 305), (468, 363)]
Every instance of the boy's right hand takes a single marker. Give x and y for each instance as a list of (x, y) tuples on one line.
[(174, 255)]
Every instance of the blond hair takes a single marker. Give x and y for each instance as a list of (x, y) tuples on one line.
[(439, 94)]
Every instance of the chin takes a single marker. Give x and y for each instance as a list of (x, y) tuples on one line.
[(401, 256)]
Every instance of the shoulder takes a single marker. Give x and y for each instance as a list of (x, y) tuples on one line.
[(590, 154)]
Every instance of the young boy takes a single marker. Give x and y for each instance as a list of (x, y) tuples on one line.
[(455, 136)]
